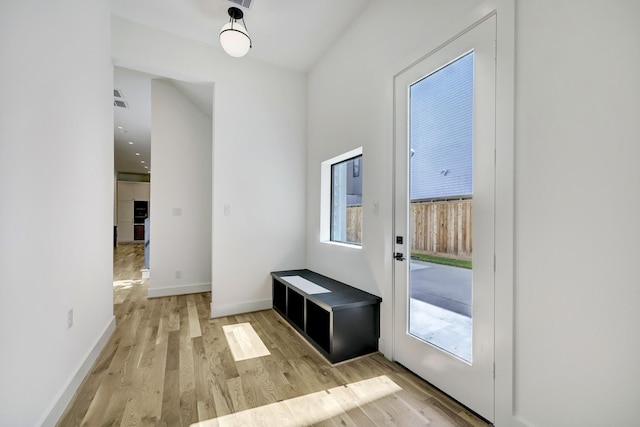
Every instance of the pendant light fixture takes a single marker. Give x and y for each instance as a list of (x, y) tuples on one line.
[(233, 36)]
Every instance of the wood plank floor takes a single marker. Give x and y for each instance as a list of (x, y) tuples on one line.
[(168, 364)]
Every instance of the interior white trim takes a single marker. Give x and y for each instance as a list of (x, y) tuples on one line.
[(240, 308), (60, 404), (505, 414), (179, 290), (518, 422), (346, 245)]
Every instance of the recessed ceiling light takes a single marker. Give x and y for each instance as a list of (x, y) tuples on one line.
[(141, 161), (146, 167), (137, 154), (120, 128), (130, 142)]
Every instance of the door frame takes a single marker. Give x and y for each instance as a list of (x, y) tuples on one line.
[(504, 200), (470, 382)]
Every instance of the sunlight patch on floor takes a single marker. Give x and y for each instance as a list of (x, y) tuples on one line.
[(126, 283), (311, 408), (244, 342)]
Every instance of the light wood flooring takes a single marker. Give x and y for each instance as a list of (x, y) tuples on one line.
[(168, 364)]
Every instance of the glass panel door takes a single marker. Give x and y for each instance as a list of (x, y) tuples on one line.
[(444, 220)]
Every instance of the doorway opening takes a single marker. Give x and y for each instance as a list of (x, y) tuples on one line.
[(168, 122), (444, 213)]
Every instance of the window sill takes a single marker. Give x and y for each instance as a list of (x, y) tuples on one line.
[(346, 245)]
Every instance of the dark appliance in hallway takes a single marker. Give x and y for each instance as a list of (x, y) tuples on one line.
[(140, 212)]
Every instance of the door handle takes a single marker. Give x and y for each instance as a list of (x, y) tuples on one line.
[(399, 256)]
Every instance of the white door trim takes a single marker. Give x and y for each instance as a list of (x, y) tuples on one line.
[(472, 383)]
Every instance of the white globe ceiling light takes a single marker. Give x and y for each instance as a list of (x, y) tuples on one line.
[(233, 36)]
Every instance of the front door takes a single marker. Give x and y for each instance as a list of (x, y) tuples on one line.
[(444, 218)]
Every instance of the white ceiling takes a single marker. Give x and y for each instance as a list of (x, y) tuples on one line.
[(132, 143), (135, 121), (290, 33)]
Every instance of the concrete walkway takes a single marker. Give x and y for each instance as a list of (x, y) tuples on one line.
[(440, 306)]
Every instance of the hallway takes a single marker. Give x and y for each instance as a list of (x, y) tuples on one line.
[(128, 260), (167, 363)]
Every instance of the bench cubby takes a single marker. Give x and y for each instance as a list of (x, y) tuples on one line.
[(340, 321)]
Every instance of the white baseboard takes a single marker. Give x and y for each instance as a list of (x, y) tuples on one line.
[(178, 290), (60, 404), (510, 420), (240, 308)]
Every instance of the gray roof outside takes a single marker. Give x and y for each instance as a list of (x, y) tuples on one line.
[(441, 132)]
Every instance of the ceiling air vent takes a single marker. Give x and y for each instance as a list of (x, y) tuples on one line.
[(246, 4), (118, 100)]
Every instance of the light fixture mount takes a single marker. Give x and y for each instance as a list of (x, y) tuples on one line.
[(233, 36), (236, 13)]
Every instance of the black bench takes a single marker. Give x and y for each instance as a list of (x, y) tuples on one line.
[(340, 321)]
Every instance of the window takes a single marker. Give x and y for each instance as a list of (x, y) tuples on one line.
[(341, 204), (346, 201)]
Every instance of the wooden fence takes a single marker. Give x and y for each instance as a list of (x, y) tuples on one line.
[(441, 228), (354, 224)]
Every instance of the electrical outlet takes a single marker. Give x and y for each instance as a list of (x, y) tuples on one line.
[(178, 274), (70, 319)]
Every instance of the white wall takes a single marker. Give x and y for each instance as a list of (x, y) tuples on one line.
[(180, 211), (258, 158), (56, 188), (577, 200), (576, 187), (259, 173), (351, 105)]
